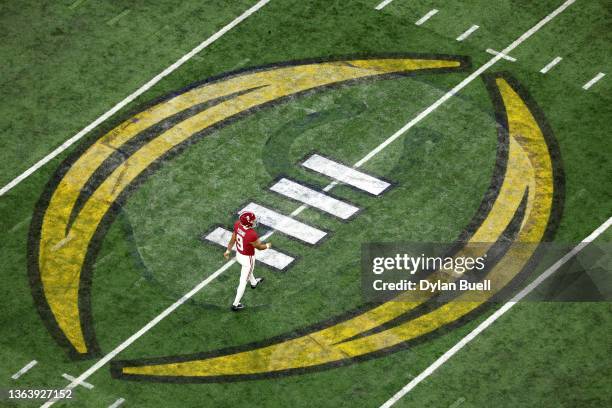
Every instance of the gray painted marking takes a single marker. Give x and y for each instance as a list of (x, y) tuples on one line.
[(593, 81), (83, 383), (314, 198), (504, 56), (286, 225), (117, 403), (383, 4), (24, 370), (427, 16), (550, 65), (270, 257), (468, 32), (346, 175)]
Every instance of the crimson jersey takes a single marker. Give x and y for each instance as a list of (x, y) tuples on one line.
[(244, 239)]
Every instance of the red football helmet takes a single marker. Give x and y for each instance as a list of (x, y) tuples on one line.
[(248, 219)]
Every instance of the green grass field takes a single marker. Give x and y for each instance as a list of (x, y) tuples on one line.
[(66, 63)]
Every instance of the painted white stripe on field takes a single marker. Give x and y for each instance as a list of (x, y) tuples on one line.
[(286, 225), (383, 4), (502, 54), (432, 108), (593, 81), (550, 65), (24, 370), (83, 383), (132, 96), (315, 199), (498, 313), (117, 403), (526, 35), (426, 17), (346, 174), (468, 32), (270, 257)]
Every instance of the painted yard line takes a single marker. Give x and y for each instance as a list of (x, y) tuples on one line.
[(100, 363), (498, 313), (83, 383), (60, 149), (24, 370), (503, 55), (468, 32), (383, 4), (108, 357), (466, 81), (593, 81), (550, 65), (427, 16), (117, 403)]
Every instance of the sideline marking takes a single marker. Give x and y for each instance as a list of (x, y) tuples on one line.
[(117, 403), (498, 313), (593, 81), (427, 16), (468, 32), (83, 383), (383, 4), (550, 65), (503, 55), (100, 363), (24, 370), (132, 96)]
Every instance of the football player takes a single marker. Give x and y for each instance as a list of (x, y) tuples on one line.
[(246, 239)]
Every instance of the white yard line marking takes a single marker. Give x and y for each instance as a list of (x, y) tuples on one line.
[(24, 370), (427, 16), (112, 354), (315, 199), (502, 54), (346, 174), (468, 32), (550, 65), (132, 97), (117, 403), (383, 4), (83, 383), (285, 224), (270, 257), (498, 313), (466, 81), (593, 81), (108, 357)]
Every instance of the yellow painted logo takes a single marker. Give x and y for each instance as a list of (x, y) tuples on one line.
[(62, 237)]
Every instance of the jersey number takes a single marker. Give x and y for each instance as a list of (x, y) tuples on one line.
[(239, 243)]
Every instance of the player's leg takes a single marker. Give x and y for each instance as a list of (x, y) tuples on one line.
[(252, 279), (244, 277)]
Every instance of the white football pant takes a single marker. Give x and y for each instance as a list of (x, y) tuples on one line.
[(246, 274)]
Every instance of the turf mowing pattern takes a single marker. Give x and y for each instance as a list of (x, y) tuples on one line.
[(75, 66)]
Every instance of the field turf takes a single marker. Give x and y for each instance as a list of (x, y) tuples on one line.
[(65, 63)]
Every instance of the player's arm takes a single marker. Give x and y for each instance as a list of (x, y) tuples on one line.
[(261, 246), (230, 245)]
